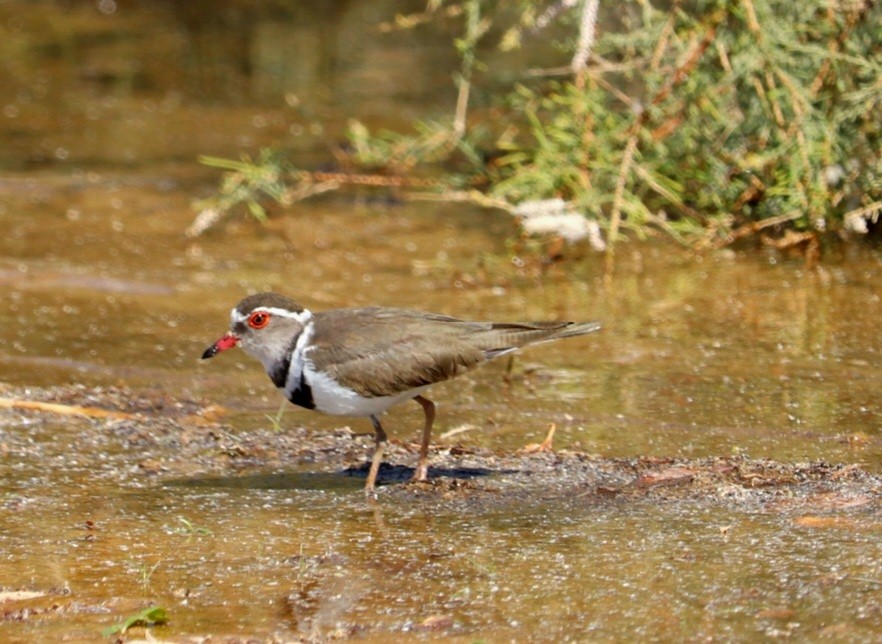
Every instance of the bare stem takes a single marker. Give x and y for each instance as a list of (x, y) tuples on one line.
[(587, 29)]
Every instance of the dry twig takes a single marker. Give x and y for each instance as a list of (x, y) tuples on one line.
[(67, 410)]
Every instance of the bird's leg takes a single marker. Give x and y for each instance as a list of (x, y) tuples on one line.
[(380, 445), (422, 470)]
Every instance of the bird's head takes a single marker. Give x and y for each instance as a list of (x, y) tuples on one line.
[(265, 325)]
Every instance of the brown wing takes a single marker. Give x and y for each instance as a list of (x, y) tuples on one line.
[(381, 352)]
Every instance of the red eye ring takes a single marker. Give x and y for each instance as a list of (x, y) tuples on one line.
[(258, 320)]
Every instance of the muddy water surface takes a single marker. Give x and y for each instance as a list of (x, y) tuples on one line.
[(241, 530)]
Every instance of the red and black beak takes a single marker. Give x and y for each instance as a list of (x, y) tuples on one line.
[(228, 341)]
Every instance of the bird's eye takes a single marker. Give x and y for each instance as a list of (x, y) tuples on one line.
[(258, 320)]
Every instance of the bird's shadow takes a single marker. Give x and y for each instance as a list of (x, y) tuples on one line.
[(343, 480), (402, 473)]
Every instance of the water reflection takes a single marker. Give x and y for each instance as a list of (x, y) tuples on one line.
[(161, 82)]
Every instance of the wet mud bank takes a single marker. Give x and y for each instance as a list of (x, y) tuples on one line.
[(162, 441)]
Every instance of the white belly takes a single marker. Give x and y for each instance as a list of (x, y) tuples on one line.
[(331, 398)]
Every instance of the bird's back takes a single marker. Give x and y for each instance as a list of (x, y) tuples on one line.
[(383, 351)]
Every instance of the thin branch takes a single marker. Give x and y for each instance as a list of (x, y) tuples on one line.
[(587, 29), (856, 219), (753, 227), (615, 219), (67, 410), (473, 33)]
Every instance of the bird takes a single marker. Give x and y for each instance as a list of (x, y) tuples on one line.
[(359, 362)]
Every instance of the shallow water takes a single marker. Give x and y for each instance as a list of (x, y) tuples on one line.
[(726, 353)]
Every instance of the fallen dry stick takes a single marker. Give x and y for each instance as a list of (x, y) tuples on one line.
[(69, 410)]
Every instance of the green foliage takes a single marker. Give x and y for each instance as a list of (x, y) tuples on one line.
[(276, 420), (145, 573), (189, 529), (246, 182), (741, 113), (433, 143), (707, 120), (150, 616)]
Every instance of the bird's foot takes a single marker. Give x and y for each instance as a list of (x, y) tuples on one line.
[(421, 473)]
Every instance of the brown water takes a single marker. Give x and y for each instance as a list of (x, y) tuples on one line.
[(104, 110)]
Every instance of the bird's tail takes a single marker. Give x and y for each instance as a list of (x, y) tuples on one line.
[(507, 337), (548, 331)]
